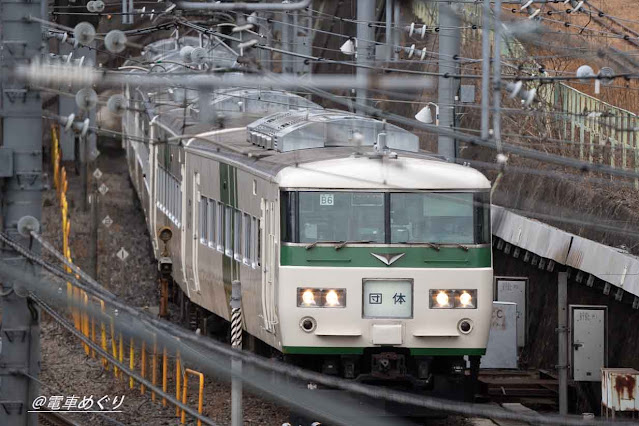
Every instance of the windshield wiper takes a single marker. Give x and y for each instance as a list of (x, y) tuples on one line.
[(314, 243), (461, 246), (431, 245), (343, 244)]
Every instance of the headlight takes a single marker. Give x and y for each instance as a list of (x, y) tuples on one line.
[(441, 299), (305, 298), (447, 299), (466, 299), (332, 298), (321, 298)]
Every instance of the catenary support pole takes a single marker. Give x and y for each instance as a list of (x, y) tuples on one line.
[(21, 208), (396, 33), (497, 75), (236, 364), (485, 71), (389, 30), (562, 332), (449, 45), (365, 46)]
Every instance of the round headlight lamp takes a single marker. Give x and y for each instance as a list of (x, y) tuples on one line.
[(332, 298), (308, 298), (465, 299), (442, 298)]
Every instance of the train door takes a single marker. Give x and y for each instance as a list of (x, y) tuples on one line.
[(269, 248), (196, 210), (186, 206), (192, 232), (153, 193)]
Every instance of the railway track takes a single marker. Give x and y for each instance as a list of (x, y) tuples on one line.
[(53, 419)]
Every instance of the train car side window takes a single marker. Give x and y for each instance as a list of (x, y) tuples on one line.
[(289, 214), (228, 230), (212, 212), (246, 253), (254, 242), (172, 202), (220, 227), (259, 242), (178, 202), (482, 218), (237, 235), (160, 188), (204, 220), (168, 188)]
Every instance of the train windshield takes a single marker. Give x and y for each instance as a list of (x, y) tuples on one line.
[(383, 217)]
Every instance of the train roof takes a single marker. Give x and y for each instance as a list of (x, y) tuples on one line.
[(336, 167)]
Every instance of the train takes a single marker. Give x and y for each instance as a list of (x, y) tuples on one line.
[(358, 254)]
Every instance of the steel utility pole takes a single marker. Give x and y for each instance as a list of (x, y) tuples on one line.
[(485, 71), (562, 333), (389, 32), (20, 201), (497, 75), (237, 413), (365, 45), (448, 88)]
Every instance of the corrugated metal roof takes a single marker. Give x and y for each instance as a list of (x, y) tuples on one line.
[(609, 264)]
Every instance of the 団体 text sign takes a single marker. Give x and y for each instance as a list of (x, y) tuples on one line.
[(588, 342), (388, 299), (514, 289)]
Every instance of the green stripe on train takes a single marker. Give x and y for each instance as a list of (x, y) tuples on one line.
[(315, 350), (414, 257)]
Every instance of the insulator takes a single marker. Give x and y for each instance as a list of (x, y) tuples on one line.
[(115, 41), (84, 33)]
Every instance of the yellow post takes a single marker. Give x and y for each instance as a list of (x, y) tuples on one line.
[(131, 361), (93, 334), (184, 386), (121, 352), (78, 312), (200, 401), (143, 366), (114, 348), (85, 320), (178, 376), (103, 336), (165, 367), (63, 182), (154, 367)]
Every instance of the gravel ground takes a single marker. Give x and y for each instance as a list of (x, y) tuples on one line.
[(66, 370)]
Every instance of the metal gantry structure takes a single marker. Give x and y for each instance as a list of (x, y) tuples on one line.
[(21, 204)]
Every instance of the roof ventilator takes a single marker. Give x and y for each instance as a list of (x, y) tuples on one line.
[(306, 129)]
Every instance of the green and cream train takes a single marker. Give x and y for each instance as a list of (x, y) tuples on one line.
[(358, 254)]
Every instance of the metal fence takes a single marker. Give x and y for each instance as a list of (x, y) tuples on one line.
[(88, 314)]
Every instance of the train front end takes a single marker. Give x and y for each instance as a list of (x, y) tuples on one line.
[(386, 270)]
